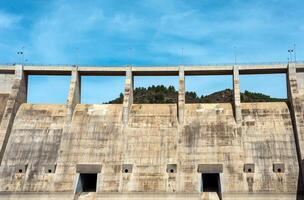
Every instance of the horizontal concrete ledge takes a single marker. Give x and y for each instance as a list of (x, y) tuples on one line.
[(146, 195), (164, 104), (102, 71), (7, 69), (45, 70), (152, 71)]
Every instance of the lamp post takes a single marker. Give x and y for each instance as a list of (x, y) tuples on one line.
[(234, 51), (129, 55), (294, 52), (77, 59), (182, 62), (21, 56), (21, 53), (290, 54)]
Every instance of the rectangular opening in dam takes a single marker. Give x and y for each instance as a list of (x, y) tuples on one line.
[(263, 87), (210, 182), (155, 89), (86, 182), (48, 89), (209, 89), (102, 89)]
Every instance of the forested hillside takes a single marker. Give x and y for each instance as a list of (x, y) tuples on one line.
[(162, 94)]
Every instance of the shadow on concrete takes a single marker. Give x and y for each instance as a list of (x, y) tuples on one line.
[(300, 189)]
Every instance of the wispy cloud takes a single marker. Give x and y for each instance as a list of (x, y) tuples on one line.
[(8, 20)]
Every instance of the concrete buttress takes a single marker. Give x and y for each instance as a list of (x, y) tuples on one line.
[(74, 94), (128, 96), (181, 95), (17, 96), (236, 95), (296, 112)]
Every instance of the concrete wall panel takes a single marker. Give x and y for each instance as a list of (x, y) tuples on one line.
[(34, 141)]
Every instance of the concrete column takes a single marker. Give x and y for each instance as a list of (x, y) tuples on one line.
[(128, 96), (72, 100), (74, 94), (236, 95), (181, 95), (17, 96), (296, 112)]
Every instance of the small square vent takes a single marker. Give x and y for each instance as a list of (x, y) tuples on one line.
[(127, 168), (278, 168), (20, 168), (171, 168), (249, 168)]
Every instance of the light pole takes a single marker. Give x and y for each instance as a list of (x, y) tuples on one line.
[(129, 55), (290, 54), (234, 51), (182, 58), (21, 53), (294, 52), (77, 56)]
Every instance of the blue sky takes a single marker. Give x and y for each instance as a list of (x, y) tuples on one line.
[(156, 31)]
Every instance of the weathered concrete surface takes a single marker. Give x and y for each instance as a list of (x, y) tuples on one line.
[(17, 96), (128, 95), (236, 95), (268, 138), (74, 95), (146, 196), (181, 95), (6, 83), (34, 141), (94, 138), (3, 100), (151, 138), (300, 83), (297, 118)]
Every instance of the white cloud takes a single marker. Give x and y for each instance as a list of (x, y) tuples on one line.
[(67, 26), (187, 24), (184, 52), (8, 20), (123, 23)]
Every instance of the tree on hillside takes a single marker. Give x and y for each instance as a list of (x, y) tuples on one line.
[(163, 94)]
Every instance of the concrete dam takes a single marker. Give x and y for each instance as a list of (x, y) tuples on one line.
[(222, 151)]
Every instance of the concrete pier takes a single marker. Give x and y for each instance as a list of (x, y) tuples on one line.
[(296, 111), (181, 95), (74, 93), (237, 95), (17, 96), (128, 95)]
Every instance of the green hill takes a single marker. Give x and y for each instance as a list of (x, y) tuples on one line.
[(162, 94)]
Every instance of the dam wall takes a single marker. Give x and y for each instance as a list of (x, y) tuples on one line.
[(151, 151)]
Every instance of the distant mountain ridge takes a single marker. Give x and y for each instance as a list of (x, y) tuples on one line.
[(162, 94)]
